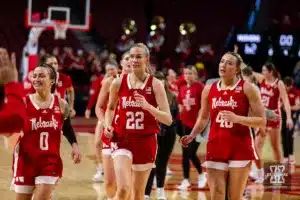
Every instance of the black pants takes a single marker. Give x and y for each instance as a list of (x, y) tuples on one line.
[(190, 153), (287, 136), (165, 147)]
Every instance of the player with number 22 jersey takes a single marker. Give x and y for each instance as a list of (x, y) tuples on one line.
[(137, 128)]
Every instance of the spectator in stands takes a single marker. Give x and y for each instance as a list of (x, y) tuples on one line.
[(78, 62)]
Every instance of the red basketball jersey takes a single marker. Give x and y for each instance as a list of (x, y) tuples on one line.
[(42, 131), (63, 83), (132, 118), (270, 95), (233, 100), (190, 99)]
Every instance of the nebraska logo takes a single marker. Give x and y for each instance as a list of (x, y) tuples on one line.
[(129, 102), (188, 101), (231, 103), (37, 124), (267, 92)]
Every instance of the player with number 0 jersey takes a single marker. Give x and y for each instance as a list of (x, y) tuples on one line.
[(37, 164)]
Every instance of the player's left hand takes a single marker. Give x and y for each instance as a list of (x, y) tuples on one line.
[(76, 155), (142, 101), (228, 116), (72, 112)]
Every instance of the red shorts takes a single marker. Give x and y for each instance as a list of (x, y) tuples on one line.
[(274, 123), (231, 151), (106, 149), (141, 149), (28, 173)]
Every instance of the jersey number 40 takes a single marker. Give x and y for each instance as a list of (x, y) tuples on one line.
[(223, 123), (135, 120)]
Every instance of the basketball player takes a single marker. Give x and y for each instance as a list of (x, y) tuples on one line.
[(109, 173), (287, 135), (272, 90), (142, 102), (64, 84), (37, 162), (111, 68), (230, 147), (12, 111), (189, 100)]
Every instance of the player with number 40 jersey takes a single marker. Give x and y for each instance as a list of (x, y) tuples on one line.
[(235, 139)]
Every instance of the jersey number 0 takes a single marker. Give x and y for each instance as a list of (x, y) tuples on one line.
[(44, 145), (135, 120)]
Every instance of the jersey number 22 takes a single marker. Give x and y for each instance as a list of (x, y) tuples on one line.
[(135, 120)]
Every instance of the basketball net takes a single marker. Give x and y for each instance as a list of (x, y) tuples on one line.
[(60, 30)]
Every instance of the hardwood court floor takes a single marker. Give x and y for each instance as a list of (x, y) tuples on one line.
[(77, 183)]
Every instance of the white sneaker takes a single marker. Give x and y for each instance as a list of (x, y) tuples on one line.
[(169, 172), (202, 180), (260, 176), (253, 174), (147, 197), (185, 184), (160, 195), (98, 177)]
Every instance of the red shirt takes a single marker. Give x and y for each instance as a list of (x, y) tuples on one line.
[(12, 113), (63, 83), (181, 81), (134, 120), (42, 131), (270, 95), (234, 100), (190, 99), (94, 92), (173, 88), (293, 96)]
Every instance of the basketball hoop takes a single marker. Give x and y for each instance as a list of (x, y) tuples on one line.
[(60, 29)]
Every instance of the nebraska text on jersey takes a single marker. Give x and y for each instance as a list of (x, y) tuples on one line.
[(129, 102), (266, 91), (35, 125), (221, 103)]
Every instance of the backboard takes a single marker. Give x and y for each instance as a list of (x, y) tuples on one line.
[(43, 13)]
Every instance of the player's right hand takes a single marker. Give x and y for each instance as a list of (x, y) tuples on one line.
[(8, 69), (109, 132), (185, 140)]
